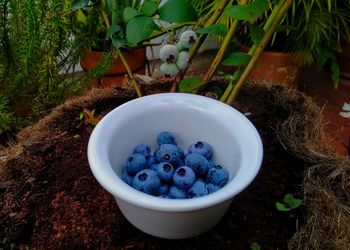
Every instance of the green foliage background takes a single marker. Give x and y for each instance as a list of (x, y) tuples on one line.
[(37, 52)]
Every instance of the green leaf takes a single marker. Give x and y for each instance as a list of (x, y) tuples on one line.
[(282, 207), (218, 92), (149, 8), (216, 29), (255, 246), (78, 4), (130, 13), (256, 32), (335, 73), (291, 201), (236, 59), (248, 12), (139, 29), (190, 84), (119, 42), (177, 11), (114, 29)]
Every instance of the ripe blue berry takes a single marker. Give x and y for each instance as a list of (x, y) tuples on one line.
[(163, 189), (168, 53), (218, 176), (135, 163), (165, 171), (168, 153), (184, 177), (127, 178), (198, 189), (212, 187), (181, 153), (166, 137), (164, 196), (177, 193), (202, 148), (146, 181), (151, 160), (143, 149), (211, 164), (198, 163), (188, 38)]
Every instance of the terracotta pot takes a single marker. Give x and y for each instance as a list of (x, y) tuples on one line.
[(276, 68), (115, 75)]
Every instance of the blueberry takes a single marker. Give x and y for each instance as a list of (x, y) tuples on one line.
[(188, 38), (168, 153), (146, 181), (212, 187), (218, 176), (183, 60), (179, 163), (181, 153), (198, 189), (151, 160), (168, 53), (135, 163), (163, 189), (211, 164), (198, 163), (127, 178), (184, 177), (165, 171), (169, 69), (181, 46), (164, 196), (143, 149), (177, 193), (154, 167), (202, 148), (166, 137)]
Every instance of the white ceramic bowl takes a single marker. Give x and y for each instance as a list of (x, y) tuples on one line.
[(236, 143)]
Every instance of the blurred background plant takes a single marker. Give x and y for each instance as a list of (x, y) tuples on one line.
[(311, 32), (43, 41)]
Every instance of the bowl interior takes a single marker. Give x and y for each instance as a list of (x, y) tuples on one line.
[(236, 143)]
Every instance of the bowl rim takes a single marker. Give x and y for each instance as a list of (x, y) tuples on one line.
[(132, 196)]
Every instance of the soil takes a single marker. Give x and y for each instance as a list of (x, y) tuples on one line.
[(56, 203)]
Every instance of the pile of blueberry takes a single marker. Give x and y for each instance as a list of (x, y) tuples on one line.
[(176, 57), (170, 173)]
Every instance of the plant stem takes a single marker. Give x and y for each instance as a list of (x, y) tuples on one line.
[(223, 48), (170, 28), (126, 65), (252, 50), (268, 24), (120, 54), (216, 15), (259, 50)]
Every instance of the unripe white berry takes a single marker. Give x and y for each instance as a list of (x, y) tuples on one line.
[(188, 38), (169, 69), (168, 53), (183, 60)]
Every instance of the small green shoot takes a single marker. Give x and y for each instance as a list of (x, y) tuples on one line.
[(81, 116), (90, 117), (255, 246), (289, 203)]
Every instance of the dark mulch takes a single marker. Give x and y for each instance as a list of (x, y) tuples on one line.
[(50, 199)]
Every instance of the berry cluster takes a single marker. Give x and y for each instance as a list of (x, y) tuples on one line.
[(176, 57), (170, 173)]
